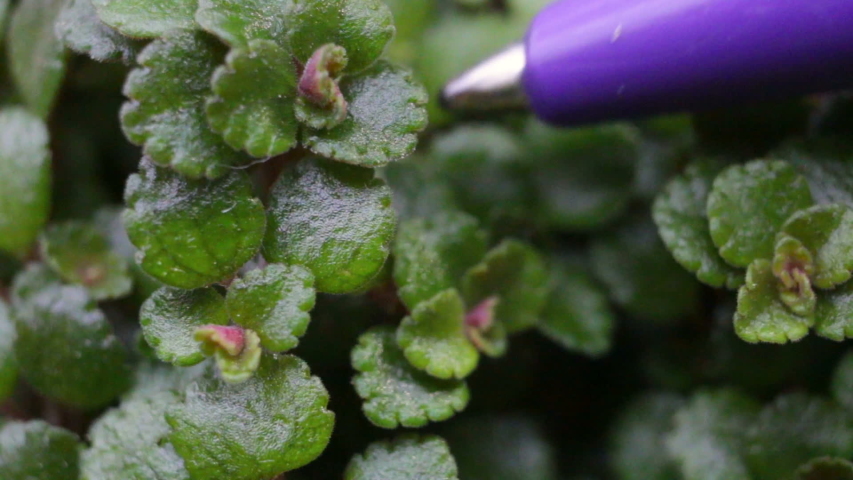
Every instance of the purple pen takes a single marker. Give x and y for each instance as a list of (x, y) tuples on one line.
[(593, 60)]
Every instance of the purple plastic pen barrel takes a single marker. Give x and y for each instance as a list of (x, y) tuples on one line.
[(594, 60)]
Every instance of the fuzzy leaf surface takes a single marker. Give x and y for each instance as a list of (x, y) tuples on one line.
[(79, 27), (238, 22), (166, 110), (36, 450), (192, 233), (834, 313), (749, 203), (407, 457), (273, 302), (385, 113), (827, 232), (24, 179), (515, 273), (170, 317), (8, 364), (272, 423), (147, 18), (432, 254), (637, 442), (680, 214), (761, 316), (396, 393), (252, 102), (334, 219)]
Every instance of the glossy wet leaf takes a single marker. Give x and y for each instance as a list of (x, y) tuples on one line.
[(238, 22), (166, 110), (334, 219), (793, 429), (80, 29), (147, 18), (825, 468), (637, 440), (24, 179), (827, 232), (8, 364), (274, 302), (761, 316), (394, 392), (834, 313), (433, 337), (128, 443), (171, 316), (274, 422), (80, 254), (432, 254), (708, 440), (515, 273), (36, 450), (385, 113), (407, 457), (362, 27), (749, 203), (252, 102), (35, 54), (680, 214), (191, 233)]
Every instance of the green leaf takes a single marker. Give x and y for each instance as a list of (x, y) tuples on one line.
[(79, 27), (166, 111), (8, 364), (577, 315), (761, 316), (419, 189), (62, 326), (36, 56), (842, 382), (362, 27), (749, 203), (152, 377), (30, 281), (637, 440), (385, 113), (192, 233), (515, 273), (80, 254), (834, 313), (36, 450), (170, 318), (274, 302), (334, 219), (394, 392), (827, 232), (408, 457), (709, 439), (794, 429), (825, 162), (680, 214), (433, 337), (252, 102), (4, 8), (238, 22), (640, 274), (793, 267), (825, 468), (128, 443), (24, 179), (147, 18), (432, 254), (274, 422), (582, 177)]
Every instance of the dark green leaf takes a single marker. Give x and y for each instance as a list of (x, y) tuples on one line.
[(432, 254), (761, 316), (4, 8), (842, 382), (516, 274), (827, 232), (170, 318), (238, 22), (192, 233), (35, 450), (680, 214), (36, 56), (419, 189), (408, 457), (385, 113), (166, 111), (252, 105), (834, 313), (334, 219), (80, 254), (79, 27), (147, 18), (274, 422), (825, 468), (274, 302), (24, 179), (8, 365), (749, 203), (637, 441), (362, 27), (394, 392)]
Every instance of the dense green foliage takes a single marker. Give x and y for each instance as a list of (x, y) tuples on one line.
[(231, 247)]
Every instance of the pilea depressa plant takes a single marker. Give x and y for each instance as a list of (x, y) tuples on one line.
[(240, 240)]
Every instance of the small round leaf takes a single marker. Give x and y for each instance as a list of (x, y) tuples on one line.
[(834, 313), (81, 30), (36, 450), (238, 22), (827, 232), (408, 457), (146, 18)]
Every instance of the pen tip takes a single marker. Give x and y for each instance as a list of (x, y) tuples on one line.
[(494, 83)]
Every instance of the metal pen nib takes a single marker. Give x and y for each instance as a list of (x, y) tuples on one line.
[(494, 83)]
